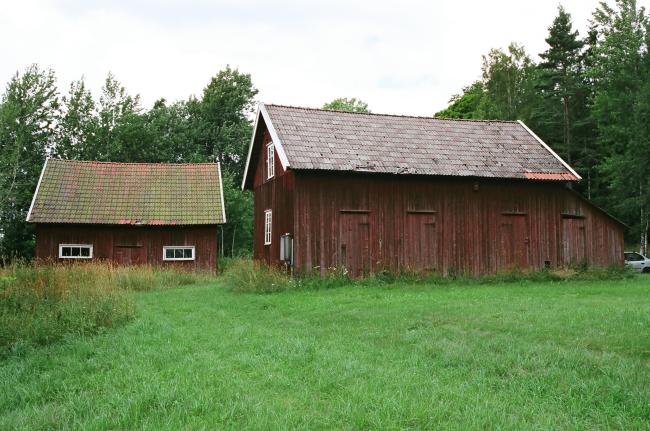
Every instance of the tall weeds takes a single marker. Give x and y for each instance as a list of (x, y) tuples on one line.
[(42, 304)]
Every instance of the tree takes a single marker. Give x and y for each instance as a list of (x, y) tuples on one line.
[(237, 234), (473, 103), (508, 78), (222, 118), (78, 127), (620, 73), (29, 112), (121, 132), (560, 82), (349, 105)]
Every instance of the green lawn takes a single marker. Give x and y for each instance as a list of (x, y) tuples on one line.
[(515, 356)]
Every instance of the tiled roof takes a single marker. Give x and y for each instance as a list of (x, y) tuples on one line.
[(128, 193), (344, 141)]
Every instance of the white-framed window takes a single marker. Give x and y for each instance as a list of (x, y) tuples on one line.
[(268, 222), (270, 161), (75, 251), (182, 252)]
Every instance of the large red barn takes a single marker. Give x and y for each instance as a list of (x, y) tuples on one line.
[(368, 192), (129, 213)]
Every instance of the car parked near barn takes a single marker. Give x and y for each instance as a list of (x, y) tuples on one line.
[(637, 261)]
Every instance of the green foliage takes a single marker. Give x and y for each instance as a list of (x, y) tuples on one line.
[(28, 115), (471, 104), (347, 104), (621, 74), (222, 119), (543, 356)]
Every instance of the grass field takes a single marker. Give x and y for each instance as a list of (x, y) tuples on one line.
[(513, 356)]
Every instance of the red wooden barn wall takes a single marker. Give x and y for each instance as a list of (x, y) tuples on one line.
[(371, 222), (275, 194), (131, 244)]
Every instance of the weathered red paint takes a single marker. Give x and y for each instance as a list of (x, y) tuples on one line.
[(369, 222), (131, 245)]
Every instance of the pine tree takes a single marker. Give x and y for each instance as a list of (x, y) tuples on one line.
[(560, 80)]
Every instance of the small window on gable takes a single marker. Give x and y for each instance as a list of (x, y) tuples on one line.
[(270, 161), (75, 251), (268, 219), (186, 252)]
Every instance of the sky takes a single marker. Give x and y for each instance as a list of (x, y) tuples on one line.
[(401, 57)]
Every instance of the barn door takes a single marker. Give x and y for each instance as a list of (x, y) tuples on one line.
[(421, 242), (128, 255), (574, 241), (354, 243), (513, 242)]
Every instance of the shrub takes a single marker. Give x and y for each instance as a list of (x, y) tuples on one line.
[(246, 275)]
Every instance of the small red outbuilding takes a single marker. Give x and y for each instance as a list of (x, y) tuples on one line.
[(129, 213)]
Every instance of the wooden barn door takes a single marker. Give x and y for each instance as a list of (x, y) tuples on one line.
[(574, 241), (421, 242), (513, 242), (128, 249), (129, 255), (354, 243)]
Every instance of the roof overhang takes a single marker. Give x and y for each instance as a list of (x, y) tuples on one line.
[(277, 142)]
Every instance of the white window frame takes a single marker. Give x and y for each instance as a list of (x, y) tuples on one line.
[(179, 247), (270, 160), (268, 226), (80, 246)]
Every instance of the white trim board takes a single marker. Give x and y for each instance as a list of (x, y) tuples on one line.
[(550, 150), (38, 186), (250, 149), (274, 137), (223, 203), (279, 149)]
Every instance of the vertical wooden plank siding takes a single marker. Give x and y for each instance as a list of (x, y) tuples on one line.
[(131, 245), (427, 223), (275, 194)]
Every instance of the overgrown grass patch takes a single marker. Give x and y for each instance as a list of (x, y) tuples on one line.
[(246, 275), (41, 304), (250, 276)]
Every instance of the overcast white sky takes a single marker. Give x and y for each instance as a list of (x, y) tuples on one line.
[(404, 57)]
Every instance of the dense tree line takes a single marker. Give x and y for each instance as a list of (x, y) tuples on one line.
[(588, 97), (36, 121)]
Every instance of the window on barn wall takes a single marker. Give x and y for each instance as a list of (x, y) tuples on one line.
[(270, 161), (179, 252), (75, 251), (268, 218)]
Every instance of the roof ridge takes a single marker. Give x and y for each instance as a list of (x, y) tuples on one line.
[(392, 115), (129, 163)]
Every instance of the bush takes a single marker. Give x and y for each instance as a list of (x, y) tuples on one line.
[(249, 276)]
